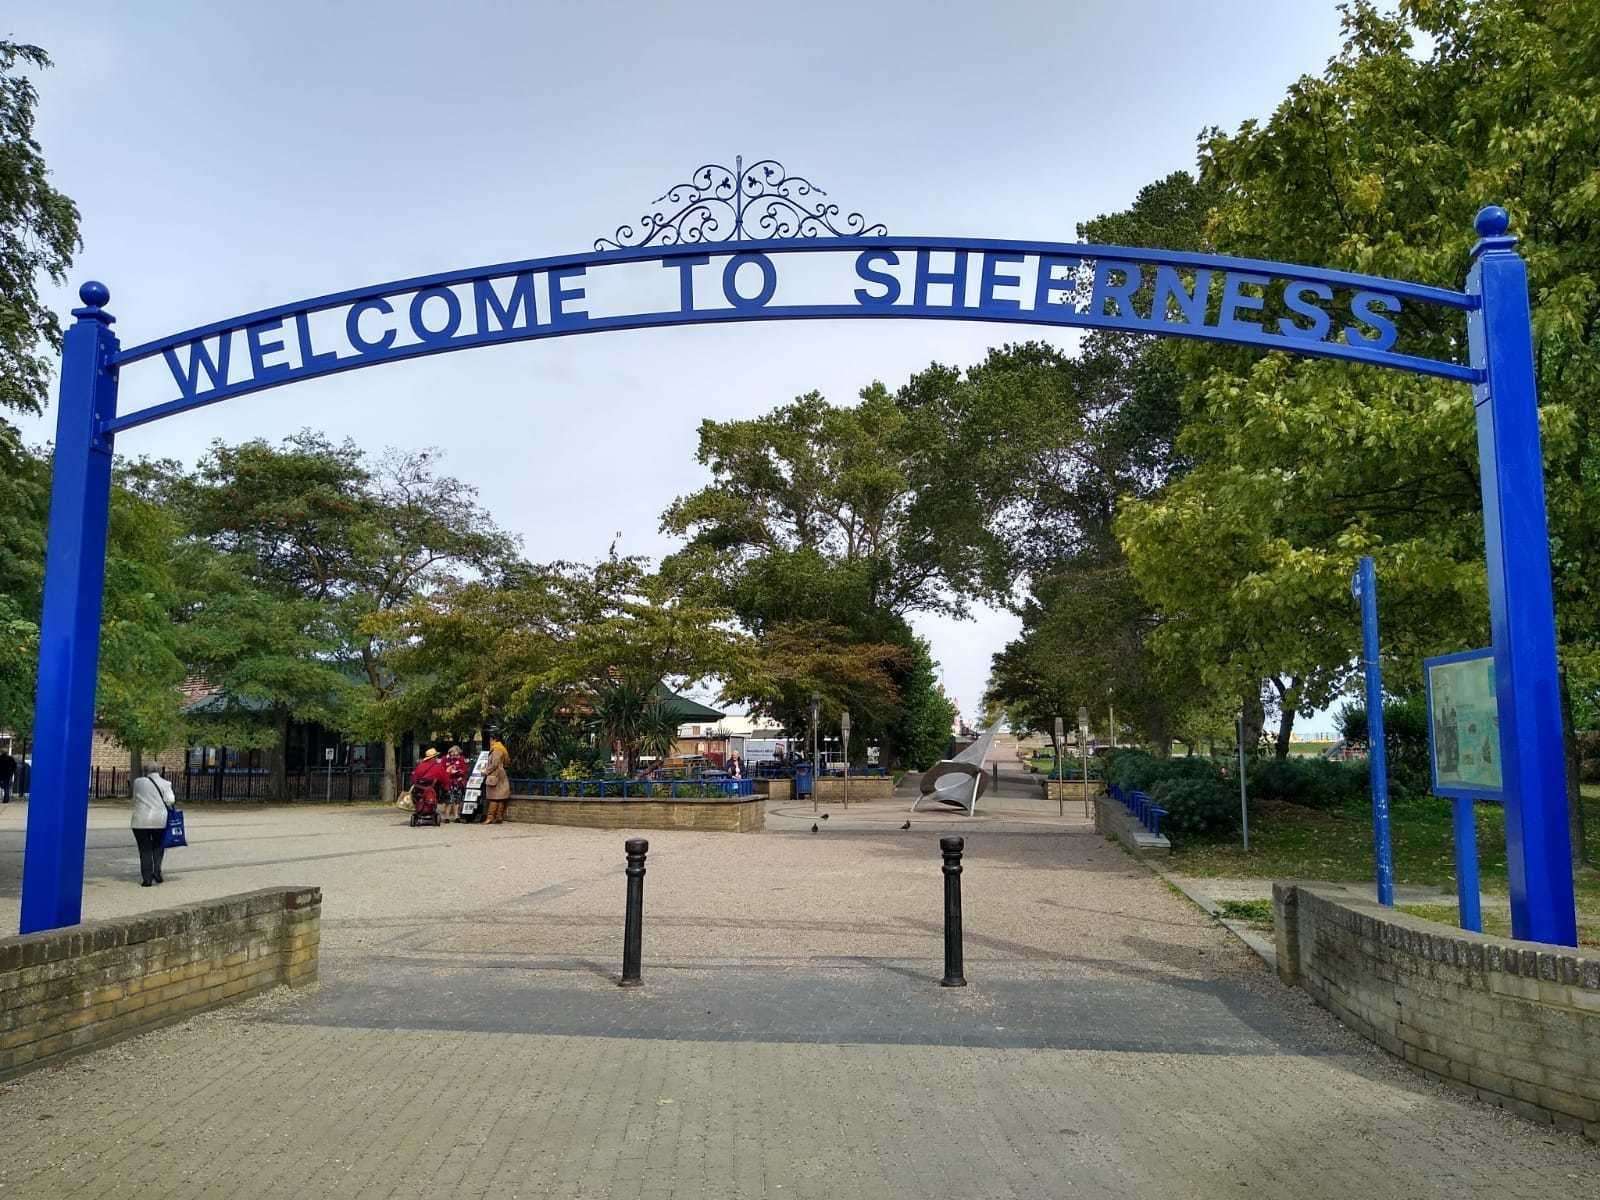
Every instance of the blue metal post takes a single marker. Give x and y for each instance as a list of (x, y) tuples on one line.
[(1466, 838), (69, 634), (1365, 586), (1521, 600)]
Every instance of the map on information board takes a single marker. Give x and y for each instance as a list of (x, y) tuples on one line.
[(1464, 724)]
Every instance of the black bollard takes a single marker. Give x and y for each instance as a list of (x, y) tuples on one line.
[(633, 922), (953, 976)]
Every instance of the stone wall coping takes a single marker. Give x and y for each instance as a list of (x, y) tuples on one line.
[(664, 800), (31, 949), (1432, 942)]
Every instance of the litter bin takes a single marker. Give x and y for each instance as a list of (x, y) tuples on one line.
[(802, 780)]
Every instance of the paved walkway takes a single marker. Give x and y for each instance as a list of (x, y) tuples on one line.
[(791, 1039)]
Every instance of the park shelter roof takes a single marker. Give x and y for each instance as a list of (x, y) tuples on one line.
[(682, 708)]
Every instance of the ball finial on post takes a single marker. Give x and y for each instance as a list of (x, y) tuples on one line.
[(1492, 221), (95, 294)]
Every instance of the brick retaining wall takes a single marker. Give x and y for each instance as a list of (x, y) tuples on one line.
[(88, 985), (777, 790), (862, 787), (735, 815), (1516, 1022)]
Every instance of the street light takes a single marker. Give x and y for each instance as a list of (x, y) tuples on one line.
[(844, 731), (1083, 746), (816, 750), (1061, 766)]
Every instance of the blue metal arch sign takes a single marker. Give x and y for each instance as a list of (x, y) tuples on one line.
[(1331, 314), (755, 243)]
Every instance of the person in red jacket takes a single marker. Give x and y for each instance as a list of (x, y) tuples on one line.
[(459, 770), (430, 773)]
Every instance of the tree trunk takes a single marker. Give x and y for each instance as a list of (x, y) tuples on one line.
[(1288, 701), (1569, 740), (1161, 739), (135, 762), (1255, 719), (278, 761), (391, 772)]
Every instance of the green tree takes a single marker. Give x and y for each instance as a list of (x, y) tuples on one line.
[(920, 732), (38, 237), (1378, 165), (820, 532), (547, 652), (794, 660), (311, 547), (813, 483), (420, 530), (137, 694)]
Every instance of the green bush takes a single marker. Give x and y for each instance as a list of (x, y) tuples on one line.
[(1588, 756), (1195, 803), (1307, 782), (1132, 770), (1405, 741)]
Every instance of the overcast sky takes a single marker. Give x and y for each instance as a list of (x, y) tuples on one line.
[(229, 156)]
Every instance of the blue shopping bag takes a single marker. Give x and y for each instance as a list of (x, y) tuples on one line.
[(174, 835)]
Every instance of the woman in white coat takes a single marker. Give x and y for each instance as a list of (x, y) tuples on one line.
[(152, 797)]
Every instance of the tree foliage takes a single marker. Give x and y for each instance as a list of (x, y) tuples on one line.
[(1300, 467), (38, 236)]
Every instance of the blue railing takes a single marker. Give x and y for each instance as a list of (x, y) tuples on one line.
[(1145, 810), (635, 789), (787, 770)]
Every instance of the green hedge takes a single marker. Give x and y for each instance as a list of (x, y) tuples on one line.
[(1307, 782), (1197, 797), (1196, 803)]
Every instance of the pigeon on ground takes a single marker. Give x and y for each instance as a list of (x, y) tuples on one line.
[(824, 816), (907, 825), (813, 827)]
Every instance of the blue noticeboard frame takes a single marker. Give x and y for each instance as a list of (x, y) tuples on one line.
[(1447, 788), (1464, 823), (751, 217)]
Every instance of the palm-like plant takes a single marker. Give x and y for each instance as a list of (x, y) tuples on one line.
[(658, 730), (620, 709)]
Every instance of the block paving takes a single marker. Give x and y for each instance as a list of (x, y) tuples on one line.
[(467, 1037)]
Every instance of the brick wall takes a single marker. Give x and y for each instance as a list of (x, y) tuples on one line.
[(87, 985), (107, 753), (862, 787), (741, 815), (775, 789), (1516, 1022), (1072, 789)]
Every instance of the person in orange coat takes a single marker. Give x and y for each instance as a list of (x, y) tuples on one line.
[(497, 781)]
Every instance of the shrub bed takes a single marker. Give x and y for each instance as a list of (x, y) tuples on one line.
[(1307, 782)]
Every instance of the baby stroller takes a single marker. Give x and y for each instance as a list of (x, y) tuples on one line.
[(424, 804)]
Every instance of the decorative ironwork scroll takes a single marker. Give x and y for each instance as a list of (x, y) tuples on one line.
[(759, 202)]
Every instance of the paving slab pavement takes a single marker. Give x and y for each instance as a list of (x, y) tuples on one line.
[(791, 1040)]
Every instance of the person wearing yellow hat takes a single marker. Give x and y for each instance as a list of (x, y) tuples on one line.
[(430, 773)]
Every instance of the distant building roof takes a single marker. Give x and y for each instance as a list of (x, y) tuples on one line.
[(219, 703)]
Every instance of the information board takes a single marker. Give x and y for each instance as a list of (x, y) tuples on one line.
[(474, 793), (1464, 725)]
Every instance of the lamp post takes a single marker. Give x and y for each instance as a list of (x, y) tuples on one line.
[(816, 749), (1244, 806), (844, 733), (1061, 767), (1083, 747)]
